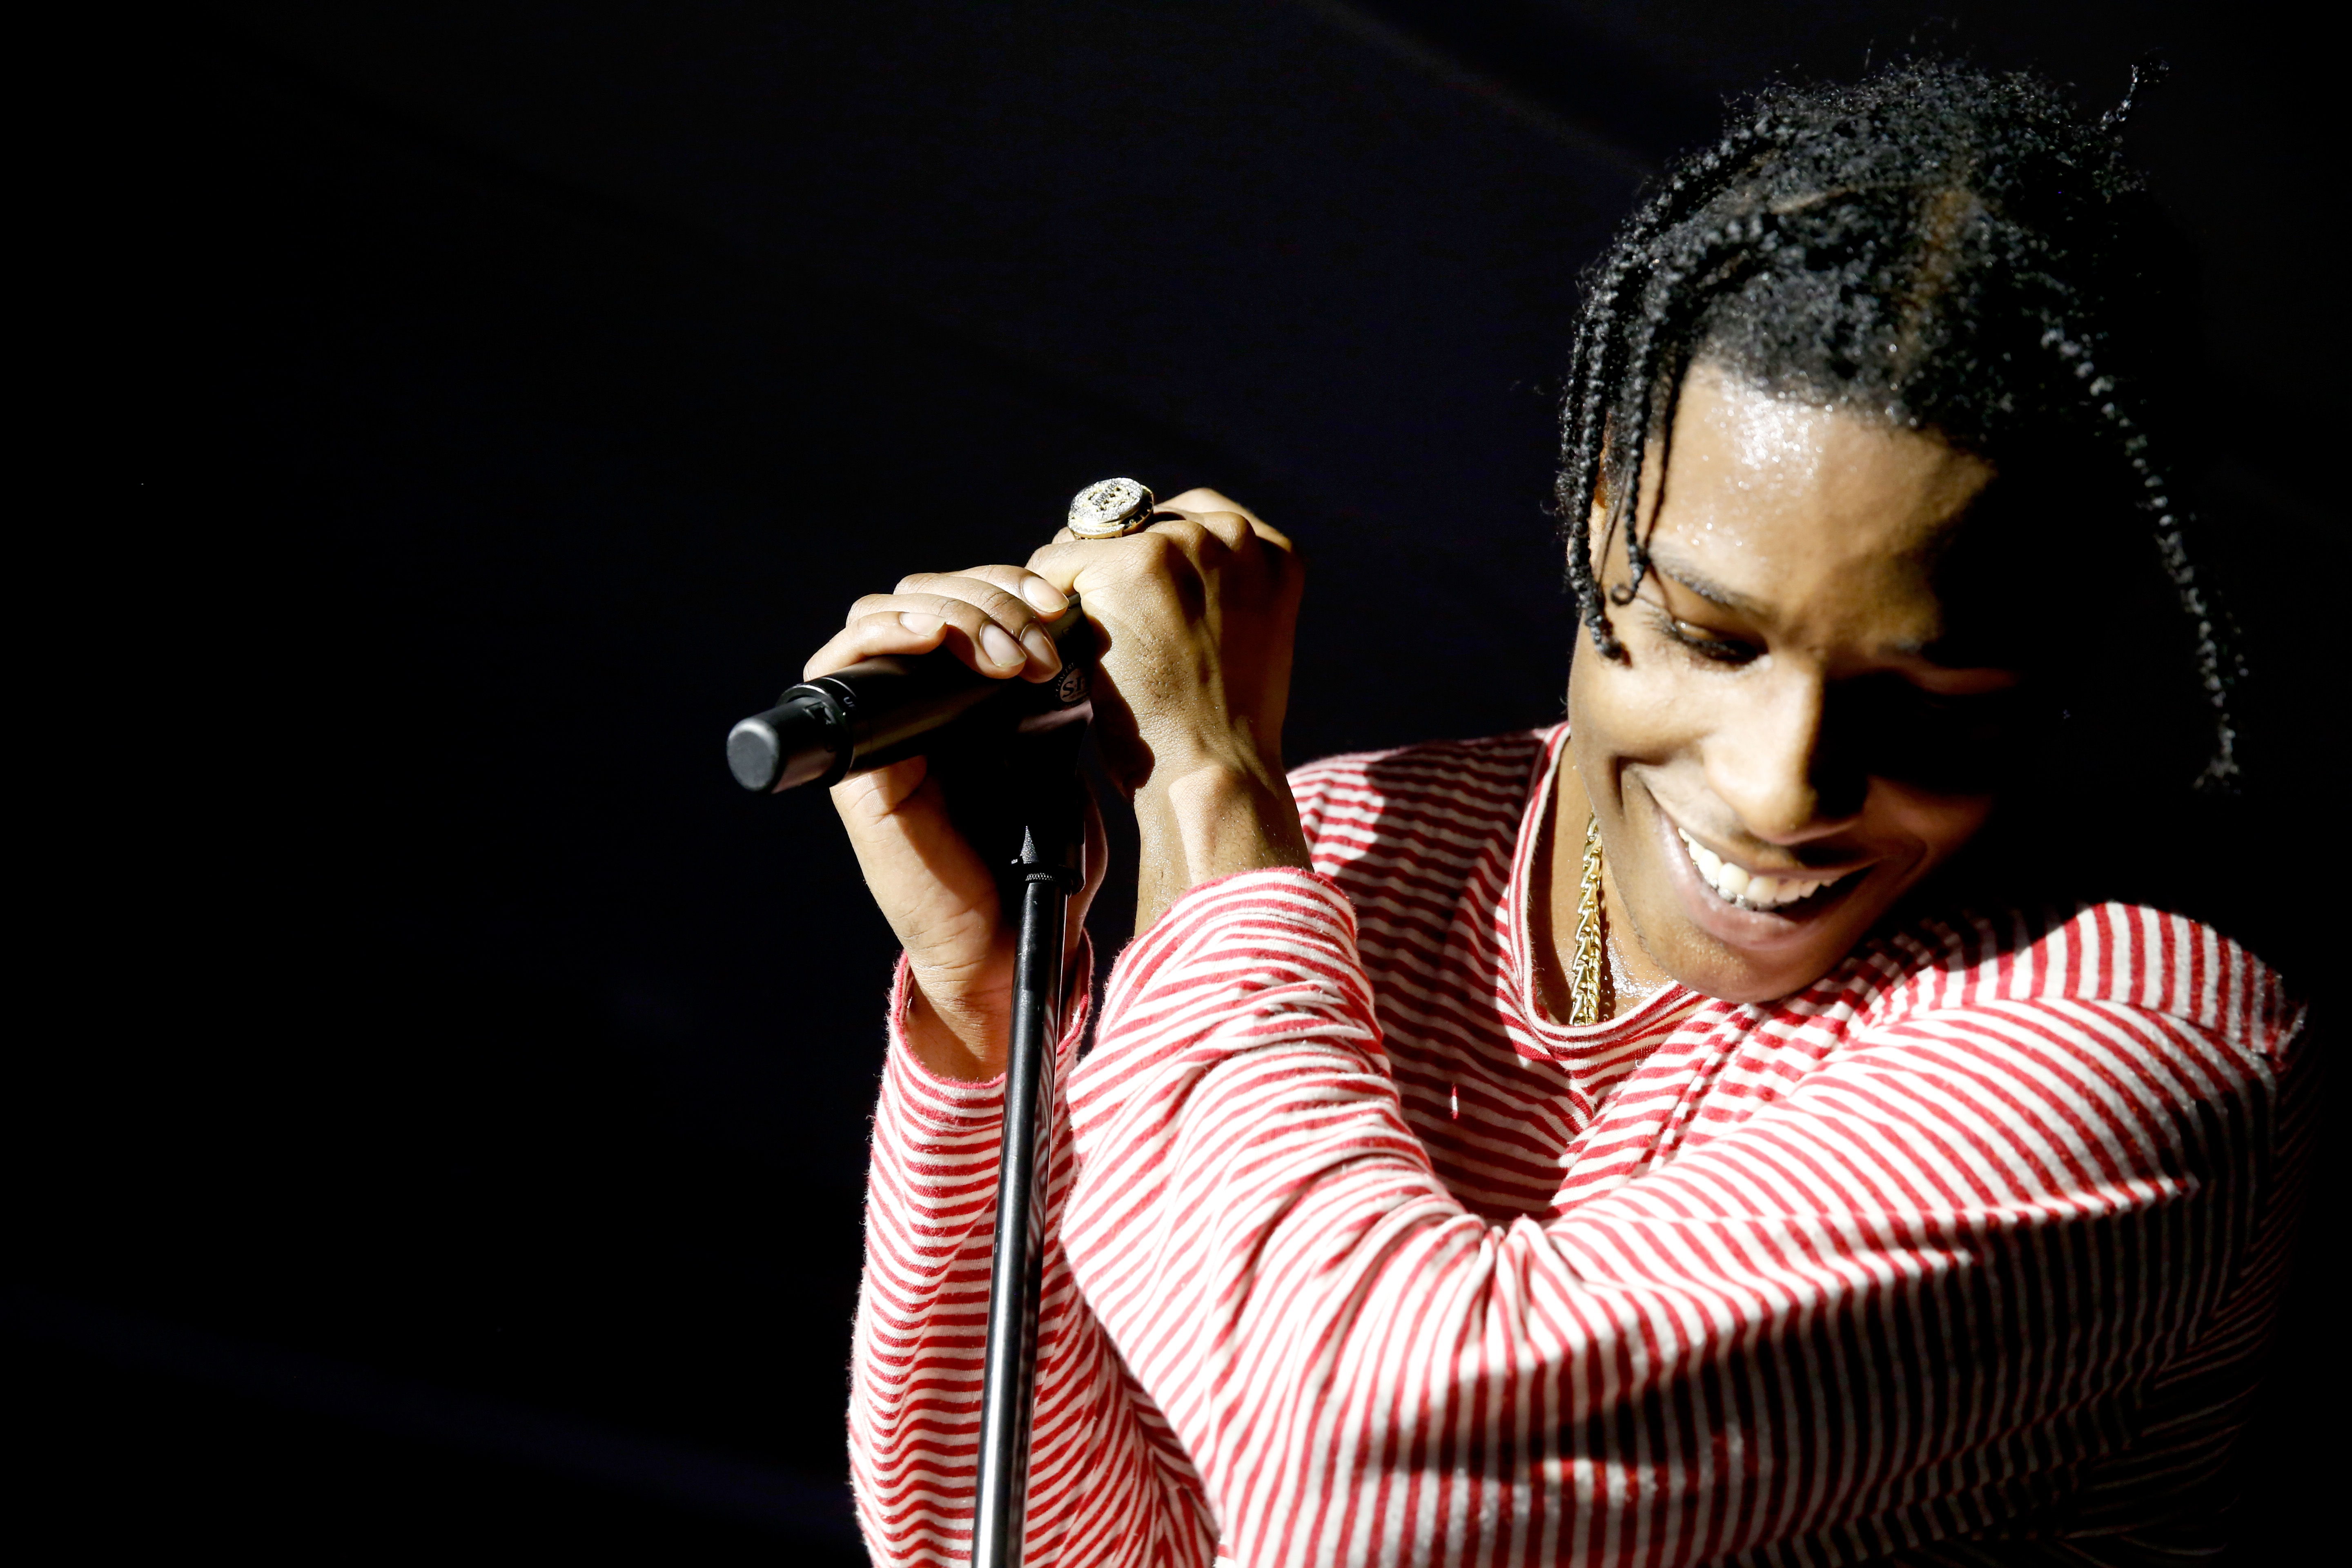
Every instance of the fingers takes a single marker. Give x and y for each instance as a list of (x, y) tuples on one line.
[(1039, 594), (997, 610), (878, 793), (990, 617), (1202, 499), (1219, 514), (1225, 516), (1200, 525), (870, 636)]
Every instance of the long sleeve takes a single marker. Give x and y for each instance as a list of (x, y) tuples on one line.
[(1906, 1297), (1105, 1475)]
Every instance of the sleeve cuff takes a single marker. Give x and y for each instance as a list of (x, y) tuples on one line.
[(1289, 895), (952, 1106), (1275, 941)]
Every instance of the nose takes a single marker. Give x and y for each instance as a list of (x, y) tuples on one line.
[(1773, 762)]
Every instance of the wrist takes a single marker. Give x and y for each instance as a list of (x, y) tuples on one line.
[(1207, 821), (955, 1034), (961, 1028)]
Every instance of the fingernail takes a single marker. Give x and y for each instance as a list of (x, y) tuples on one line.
[(1001, 648), (1048, 599), (1040, 648), (921, 626)]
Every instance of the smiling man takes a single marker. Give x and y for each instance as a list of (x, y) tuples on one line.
[(1794, 557), (1730, 1125)]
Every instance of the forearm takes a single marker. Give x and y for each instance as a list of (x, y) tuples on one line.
[(1107, 1484), (1265, 1239), (1211, 820), (921, 1309)]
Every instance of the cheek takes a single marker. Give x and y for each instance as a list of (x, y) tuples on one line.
[(1641, 711), (1939, 824)]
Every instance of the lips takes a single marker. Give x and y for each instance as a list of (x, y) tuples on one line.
[(1738, 886), (1765, 935)]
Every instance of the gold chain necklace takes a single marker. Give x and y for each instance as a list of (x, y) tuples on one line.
[(1591, 958)]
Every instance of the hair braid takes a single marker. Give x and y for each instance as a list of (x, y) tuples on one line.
[(1597, 358), (1935, 247), (2217, 665)]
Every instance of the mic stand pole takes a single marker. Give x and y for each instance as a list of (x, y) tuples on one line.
[(1051, 866)]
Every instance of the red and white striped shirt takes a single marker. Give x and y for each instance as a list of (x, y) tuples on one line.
[(1961, 1255)]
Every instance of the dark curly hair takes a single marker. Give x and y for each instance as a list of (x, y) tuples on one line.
[(1938, 248)]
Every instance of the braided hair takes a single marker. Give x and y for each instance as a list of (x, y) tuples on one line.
[(1933, 248)]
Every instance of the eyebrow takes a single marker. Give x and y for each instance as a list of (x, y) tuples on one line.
[(1714, 592), (1665, 564)]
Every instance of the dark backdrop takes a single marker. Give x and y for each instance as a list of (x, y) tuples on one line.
[(441, 1105)]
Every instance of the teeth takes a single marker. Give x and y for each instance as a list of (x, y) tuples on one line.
[(1738, 887)]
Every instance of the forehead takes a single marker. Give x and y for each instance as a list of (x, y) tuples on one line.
[(1783, 494)]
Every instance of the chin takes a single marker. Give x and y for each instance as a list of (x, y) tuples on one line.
[(1704, 962), (1731, 978)]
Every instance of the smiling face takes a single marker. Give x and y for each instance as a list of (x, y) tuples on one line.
[(1803, 727)]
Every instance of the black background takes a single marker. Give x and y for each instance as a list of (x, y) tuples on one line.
[(440, 1106)]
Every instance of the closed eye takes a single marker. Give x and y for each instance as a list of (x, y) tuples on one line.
[(1707, 645)]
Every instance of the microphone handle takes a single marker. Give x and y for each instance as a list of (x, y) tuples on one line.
[(883, 710)]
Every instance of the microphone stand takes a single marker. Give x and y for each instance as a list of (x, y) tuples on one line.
[(1051, 866), (883, 709)]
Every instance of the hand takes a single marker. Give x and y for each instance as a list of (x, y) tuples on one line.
[(1194, 618), (938, 895)]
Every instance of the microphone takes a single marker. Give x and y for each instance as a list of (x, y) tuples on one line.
[(883, 711)]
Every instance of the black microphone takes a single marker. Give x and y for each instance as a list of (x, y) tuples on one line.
[(882, 711)]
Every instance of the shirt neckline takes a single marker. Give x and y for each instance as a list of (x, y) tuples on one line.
[(1518, 925)]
